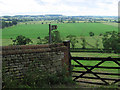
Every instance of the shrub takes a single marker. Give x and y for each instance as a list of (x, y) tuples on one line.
[(21, 40), (36, 78), (55, 37), (73, 40), (111, 40), (91, 34)]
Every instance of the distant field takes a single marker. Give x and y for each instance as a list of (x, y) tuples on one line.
[(35, 30), (112, 24)]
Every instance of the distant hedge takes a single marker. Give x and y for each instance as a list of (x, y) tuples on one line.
[(8, 24)]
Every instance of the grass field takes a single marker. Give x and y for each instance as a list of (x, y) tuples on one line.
[(33, 30)]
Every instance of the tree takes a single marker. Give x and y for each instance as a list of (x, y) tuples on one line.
[(10, 24), (3, 24), (97, 43), (83, 43), (73, 20), (39, 40), (91, 34), (14, 22), (100, 34), (6, 24), (111, 40), (55, 36), (73, 40), (21, 40)]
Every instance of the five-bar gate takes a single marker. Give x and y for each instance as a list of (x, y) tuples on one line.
[(106, 70)]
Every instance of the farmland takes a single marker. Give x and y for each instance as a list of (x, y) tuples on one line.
[(33, 30)]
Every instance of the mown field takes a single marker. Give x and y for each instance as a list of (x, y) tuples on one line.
[(33, 30)]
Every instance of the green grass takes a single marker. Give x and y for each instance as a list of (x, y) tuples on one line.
[(93, 63), (35, 30), (102, 70), (32, 31), (91, 54)]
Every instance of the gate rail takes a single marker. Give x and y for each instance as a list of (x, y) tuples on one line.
[(91, 50), (96, 74)]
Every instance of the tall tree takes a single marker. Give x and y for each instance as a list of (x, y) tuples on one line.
[(14, 22), (83, 43), (73, 40), (111, 40), (55, 36)]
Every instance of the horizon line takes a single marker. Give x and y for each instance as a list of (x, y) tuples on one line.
[(54, 14)]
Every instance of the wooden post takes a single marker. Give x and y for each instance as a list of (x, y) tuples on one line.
[(67, 43), (50, 34)]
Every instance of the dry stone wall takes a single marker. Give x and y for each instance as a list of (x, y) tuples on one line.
[(18, 59)]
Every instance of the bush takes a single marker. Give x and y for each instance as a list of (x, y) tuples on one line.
[(55, 37), (36, 78), (111, 41), (91, 34), (73, 40), (21, 40)]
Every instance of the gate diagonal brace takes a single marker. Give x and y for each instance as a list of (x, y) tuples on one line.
[(90, 70), (115, 81), (118, 71)]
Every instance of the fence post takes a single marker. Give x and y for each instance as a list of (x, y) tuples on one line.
[(67, 43), (50, 39)]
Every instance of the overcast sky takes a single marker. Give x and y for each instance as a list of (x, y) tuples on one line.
[(64, 7)]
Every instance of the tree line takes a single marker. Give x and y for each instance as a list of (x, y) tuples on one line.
[(8, 24)]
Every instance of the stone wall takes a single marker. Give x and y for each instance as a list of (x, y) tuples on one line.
[(18, 59)]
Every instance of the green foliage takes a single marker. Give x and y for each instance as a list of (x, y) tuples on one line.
[(55, 36), (97, 43), (83, 42), (8, 24), (73, 40), (111, 40), (14, 22), (3, 24), (21, 40), (34, 30), (39, 40), (91, 34), (37, 78)]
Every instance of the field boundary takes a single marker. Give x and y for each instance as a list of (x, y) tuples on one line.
[(90, 50)]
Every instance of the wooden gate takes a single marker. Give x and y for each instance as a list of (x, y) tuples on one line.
[(104, 75)]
